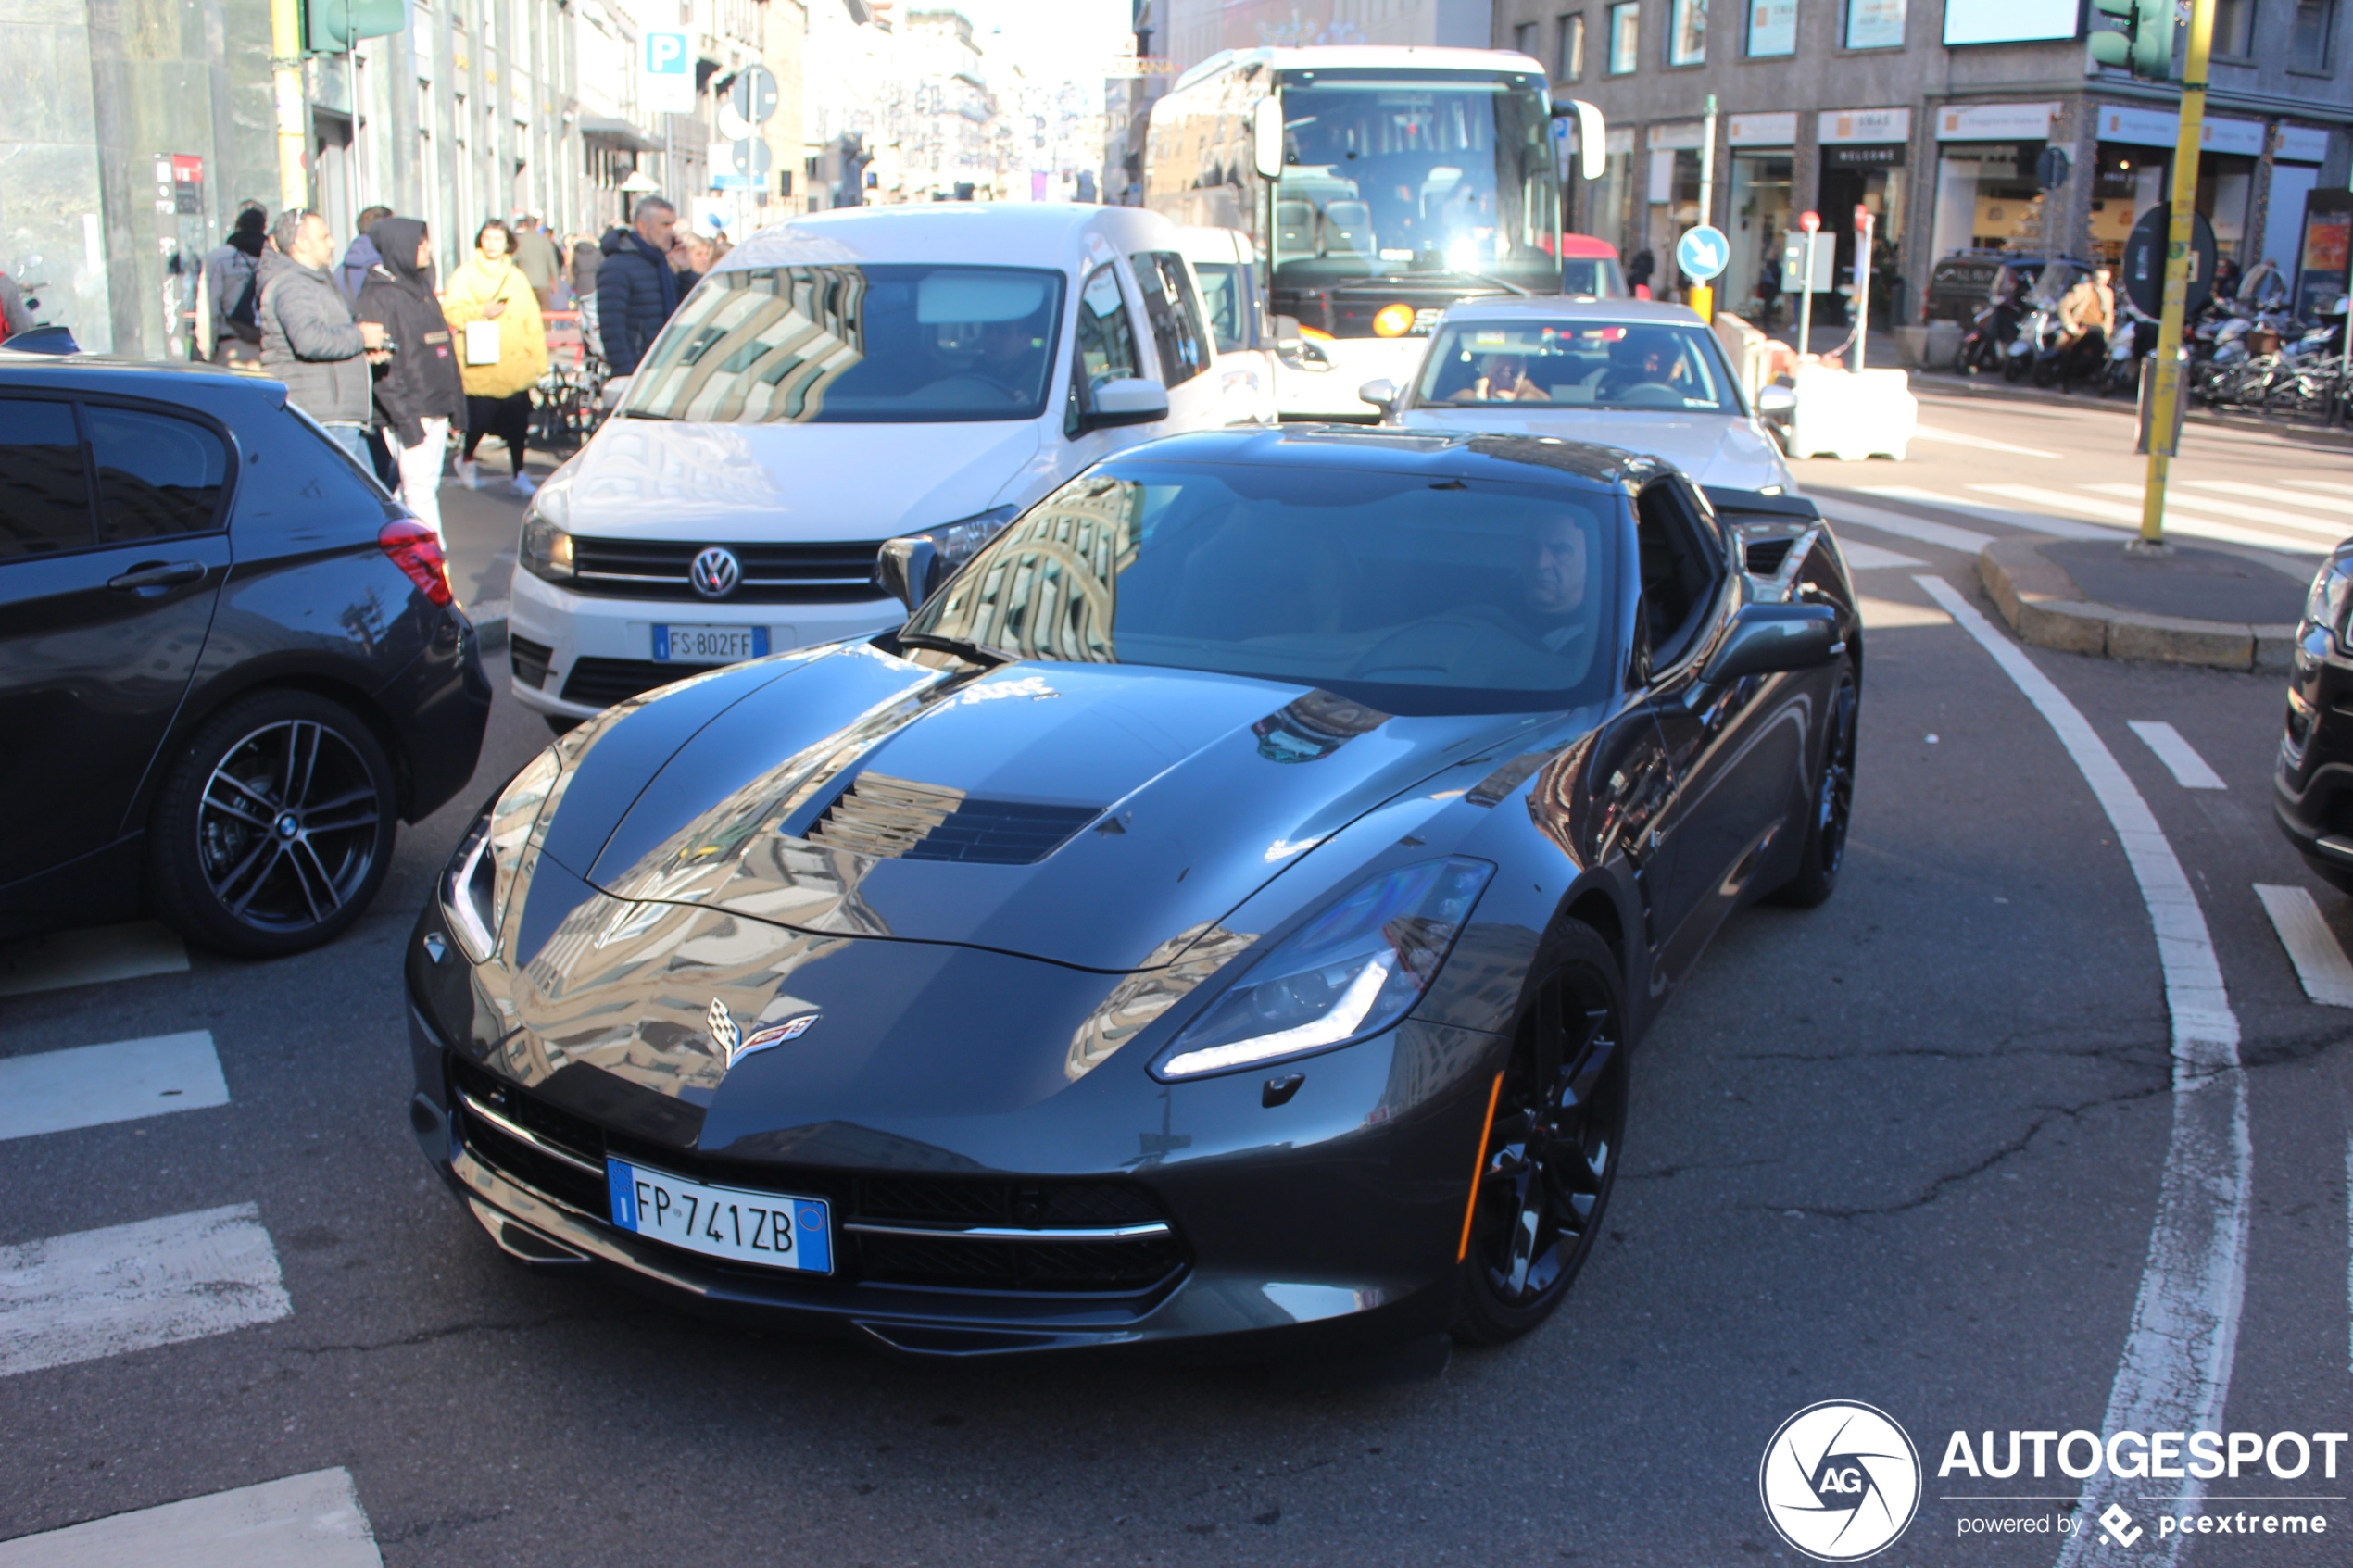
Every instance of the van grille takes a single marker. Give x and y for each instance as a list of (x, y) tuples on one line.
[(772, 574)]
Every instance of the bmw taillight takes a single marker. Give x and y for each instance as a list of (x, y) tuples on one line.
[(416, 550)]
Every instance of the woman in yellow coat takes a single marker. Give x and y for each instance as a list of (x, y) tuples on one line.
[(490, 292)]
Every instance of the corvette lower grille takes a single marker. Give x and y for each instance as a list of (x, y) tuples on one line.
[(991, 1234)]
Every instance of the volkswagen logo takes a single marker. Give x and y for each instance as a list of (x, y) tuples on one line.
[(715, 573), (1839, 1481)]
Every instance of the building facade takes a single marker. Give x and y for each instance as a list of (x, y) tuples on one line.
[(1935, 116)]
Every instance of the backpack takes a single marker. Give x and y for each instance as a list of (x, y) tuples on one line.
[(243, 318)]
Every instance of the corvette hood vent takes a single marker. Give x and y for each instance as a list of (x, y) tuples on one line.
[(892, 817)]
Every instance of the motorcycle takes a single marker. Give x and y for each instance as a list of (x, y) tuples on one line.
[(1991, 334), (2134, 341), (2030, 346)]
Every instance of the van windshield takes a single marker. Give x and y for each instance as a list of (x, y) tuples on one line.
[(875, 344)]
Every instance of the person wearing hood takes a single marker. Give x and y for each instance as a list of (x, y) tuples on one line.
[(492, 297), (418, 392), (229, 294), (636, 290), (309, 339), (351, 273)]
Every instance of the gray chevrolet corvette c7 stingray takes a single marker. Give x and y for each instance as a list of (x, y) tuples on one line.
[(1219, 921)]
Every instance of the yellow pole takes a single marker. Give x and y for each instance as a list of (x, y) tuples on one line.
[(285, 81), (1700, 298), (2168, 393)]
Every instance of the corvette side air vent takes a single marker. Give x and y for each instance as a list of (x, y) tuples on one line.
[(893, 819), (1764, 556)]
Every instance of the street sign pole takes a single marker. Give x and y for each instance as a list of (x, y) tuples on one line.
[(1862, 282), (1708, 164), (1812, 225), (2167, 392)]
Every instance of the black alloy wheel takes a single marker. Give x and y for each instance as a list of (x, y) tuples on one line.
[(1833, 808), (275, 828), (1552, 1149)]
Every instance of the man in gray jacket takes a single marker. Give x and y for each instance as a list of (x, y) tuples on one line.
[(309, 339)]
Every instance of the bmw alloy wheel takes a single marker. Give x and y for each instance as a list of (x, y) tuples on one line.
[(287, 826)]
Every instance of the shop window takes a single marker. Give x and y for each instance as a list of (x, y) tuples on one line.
[(1625, 37), (1772, 29), (1687, 35), (1875, 24), (2308, 33), (1569, 64)]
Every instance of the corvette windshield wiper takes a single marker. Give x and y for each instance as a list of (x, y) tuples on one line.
[(962, 647)]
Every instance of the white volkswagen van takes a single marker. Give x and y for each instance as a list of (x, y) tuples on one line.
[(837, 382), (1233, 297)]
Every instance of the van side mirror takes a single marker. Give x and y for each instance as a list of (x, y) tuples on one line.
[(1267, 138), (1382, 393), (1772, 400), (903, 568), (1775, 639), (1130, 400)]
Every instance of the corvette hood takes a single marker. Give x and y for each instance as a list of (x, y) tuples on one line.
[(1095, 815), (1711, 448), (652, 479)]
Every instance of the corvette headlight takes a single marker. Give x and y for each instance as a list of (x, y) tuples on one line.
[(480, 875), (2331, 602), (546, 548), (1350, 971)]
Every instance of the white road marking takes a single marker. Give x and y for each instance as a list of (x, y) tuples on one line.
[(2325, 486), (2311, 946), (310, 1521), (2271, 517), (131, 1287), (2033, 523), (89, 957), (1870, 558), (1968, 541), (2181, 759), (1984, 443), (89, 1085), (1887, 615), (2128, 518), (2267, 493), (2175, 1371)]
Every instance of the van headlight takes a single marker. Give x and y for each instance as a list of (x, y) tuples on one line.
[(480, 878), (547, 547), (1349, 973), (953, 544)]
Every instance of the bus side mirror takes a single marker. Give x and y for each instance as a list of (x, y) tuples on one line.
[(1593, 135), (1267, 138)]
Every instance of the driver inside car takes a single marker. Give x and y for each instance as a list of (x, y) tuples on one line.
[(1552, 584), (1009, 356), (1502, 378), (1641, 358)]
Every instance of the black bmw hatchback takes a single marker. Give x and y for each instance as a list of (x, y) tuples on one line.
[(228, 662)]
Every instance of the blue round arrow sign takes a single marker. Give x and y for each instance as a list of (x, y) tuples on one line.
[(1702, 253)]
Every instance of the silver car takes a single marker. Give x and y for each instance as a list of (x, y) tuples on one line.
[(1646, 377)]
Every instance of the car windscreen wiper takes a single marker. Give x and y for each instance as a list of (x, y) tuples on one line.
[(644, 414), (962, 647)]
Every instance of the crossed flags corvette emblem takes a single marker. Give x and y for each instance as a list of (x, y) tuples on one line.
[(735, 1044)]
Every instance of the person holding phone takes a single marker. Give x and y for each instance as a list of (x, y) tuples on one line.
[(418, 394), (494, 313)]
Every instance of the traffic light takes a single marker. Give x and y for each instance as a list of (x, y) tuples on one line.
[(2142, 43), (331, 27)]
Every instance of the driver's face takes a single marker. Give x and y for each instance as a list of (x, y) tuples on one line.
[(1003, 342), (1556, 567)]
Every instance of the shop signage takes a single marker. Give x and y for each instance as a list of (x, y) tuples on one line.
[(2008, 21), (1995, 122), (1872, 155), (2241, 138), (2301, 143), (2142, 128), (1865, 125), (1620, 141), (1684, 134), (1761, 130)]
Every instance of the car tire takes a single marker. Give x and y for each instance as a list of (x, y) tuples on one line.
[(275, 827), (1829, 804), (1553, 1145)]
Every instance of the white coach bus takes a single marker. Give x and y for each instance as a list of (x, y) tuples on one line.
[(1381, 185)]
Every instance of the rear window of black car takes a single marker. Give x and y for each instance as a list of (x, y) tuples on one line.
[(1409, 594)]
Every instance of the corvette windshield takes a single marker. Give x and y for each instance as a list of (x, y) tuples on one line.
[(1576, 365), (1414, 597), (855, 346)]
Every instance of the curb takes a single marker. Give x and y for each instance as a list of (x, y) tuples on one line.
[(2044, 608), (490, 622)]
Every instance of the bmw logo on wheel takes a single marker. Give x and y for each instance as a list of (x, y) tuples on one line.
[(715, 573), (1839, 1481)]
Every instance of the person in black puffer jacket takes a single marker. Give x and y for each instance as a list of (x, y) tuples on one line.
[(636, 288), (419, 392)]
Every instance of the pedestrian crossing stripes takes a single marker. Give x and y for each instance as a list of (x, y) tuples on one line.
[(90, 1086), (2063, 528), (2128, 517), (2091, 514), (2311, 946), (2328, 487), (128, 1288), (312, 1521), (2269, 516), (1966, 539), (2181, 759), (2267, 493), (1870, 558)]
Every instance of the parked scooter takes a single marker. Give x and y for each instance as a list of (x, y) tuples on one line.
[(2134, 341), (2030, 347), (1987, 341)]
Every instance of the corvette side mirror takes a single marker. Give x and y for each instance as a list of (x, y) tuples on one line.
[(903, 569), (1775, 639)]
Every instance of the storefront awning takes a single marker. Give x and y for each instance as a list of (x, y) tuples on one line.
[(616, 133)]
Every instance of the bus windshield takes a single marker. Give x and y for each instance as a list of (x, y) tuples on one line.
[(1445, 178)]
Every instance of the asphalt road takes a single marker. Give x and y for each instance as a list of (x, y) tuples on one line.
[(1904, 1149)]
